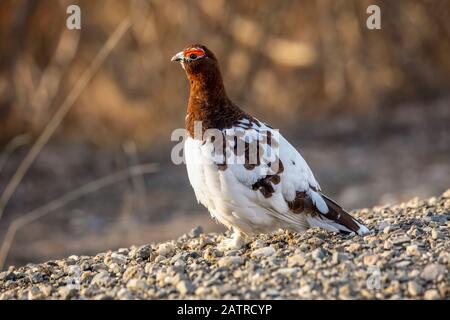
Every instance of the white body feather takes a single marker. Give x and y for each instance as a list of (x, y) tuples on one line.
[(230, 198)]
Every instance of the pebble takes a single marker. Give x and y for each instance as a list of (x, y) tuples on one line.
[(413, 250), (195, 232), (35, 293), (297, 260), (409, 260), (185, 287), (166, 249), (398, 240), (318, 254), (354, 247), (435, 234), (339, 257), (102, 278), (230, 261), (136, 284), (288, 271), (144, 252), (431, 295), (67, 292), (116, 258), (132, 272), (381, 226), (432, 272), (370, 260), (263, 252), (414, 288), (125, 294), (402, 264)]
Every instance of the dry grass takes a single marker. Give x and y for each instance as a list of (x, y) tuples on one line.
[(286, 60), (60, 114)]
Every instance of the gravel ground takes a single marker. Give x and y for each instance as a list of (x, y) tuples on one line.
[(406, 256)]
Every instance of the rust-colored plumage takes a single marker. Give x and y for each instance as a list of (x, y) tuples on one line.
[(208, 101)]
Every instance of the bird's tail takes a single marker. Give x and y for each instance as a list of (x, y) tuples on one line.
[(336, 219)]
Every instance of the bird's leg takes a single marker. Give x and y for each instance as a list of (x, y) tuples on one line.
[(236, 242)]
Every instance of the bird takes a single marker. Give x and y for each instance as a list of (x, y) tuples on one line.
[(248, 176)]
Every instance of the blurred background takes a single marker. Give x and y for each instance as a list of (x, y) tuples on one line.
[(368, 109)]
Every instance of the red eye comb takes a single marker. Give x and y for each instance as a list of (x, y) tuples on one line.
[(197, 51)]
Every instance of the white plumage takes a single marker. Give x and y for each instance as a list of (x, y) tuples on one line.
[(230, 198)]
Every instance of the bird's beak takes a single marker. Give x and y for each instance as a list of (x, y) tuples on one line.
[(178, 57)]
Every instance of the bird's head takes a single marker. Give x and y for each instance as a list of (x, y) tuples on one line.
[(196, 58)]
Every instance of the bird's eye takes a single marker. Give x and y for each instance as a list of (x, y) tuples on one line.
[(193, 56)]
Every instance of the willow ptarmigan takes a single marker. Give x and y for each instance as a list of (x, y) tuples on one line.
[(249, 177)]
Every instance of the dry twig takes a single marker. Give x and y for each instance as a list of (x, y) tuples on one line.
[(60, 114)]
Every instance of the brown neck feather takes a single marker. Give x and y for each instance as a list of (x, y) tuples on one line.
[(208, 101)]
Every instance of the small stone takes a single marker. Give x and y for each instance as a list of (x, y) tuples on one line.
[(179, 266), (37, 277), (297, 260), (387, 245), (166, 249), (393, 288), (263, 252), (195, 232), (339, 257), (305, 291), (345, 291), (413, 274), (431, 295), (354, 247), (387, 229), (230, 261), (86, 276), (257, 244), (413, 250), (400, 240), (35, 293), (403, 264), (201, 291), (414, 288), (124, 294), (7, 276), (382, 225), (432, 272), (440, 218), (446, 194), (144, 252), (318, 254), (116, 258), (370, 260), (132, 272), (204, 241), (185, 287), (136, 284), (46, 289), (435, 234), (67, 292), (101, 279), (270, 293), (288, 271)]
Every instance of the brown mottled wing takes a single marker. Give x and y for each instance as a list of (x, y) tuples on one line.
[(337, 214)]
